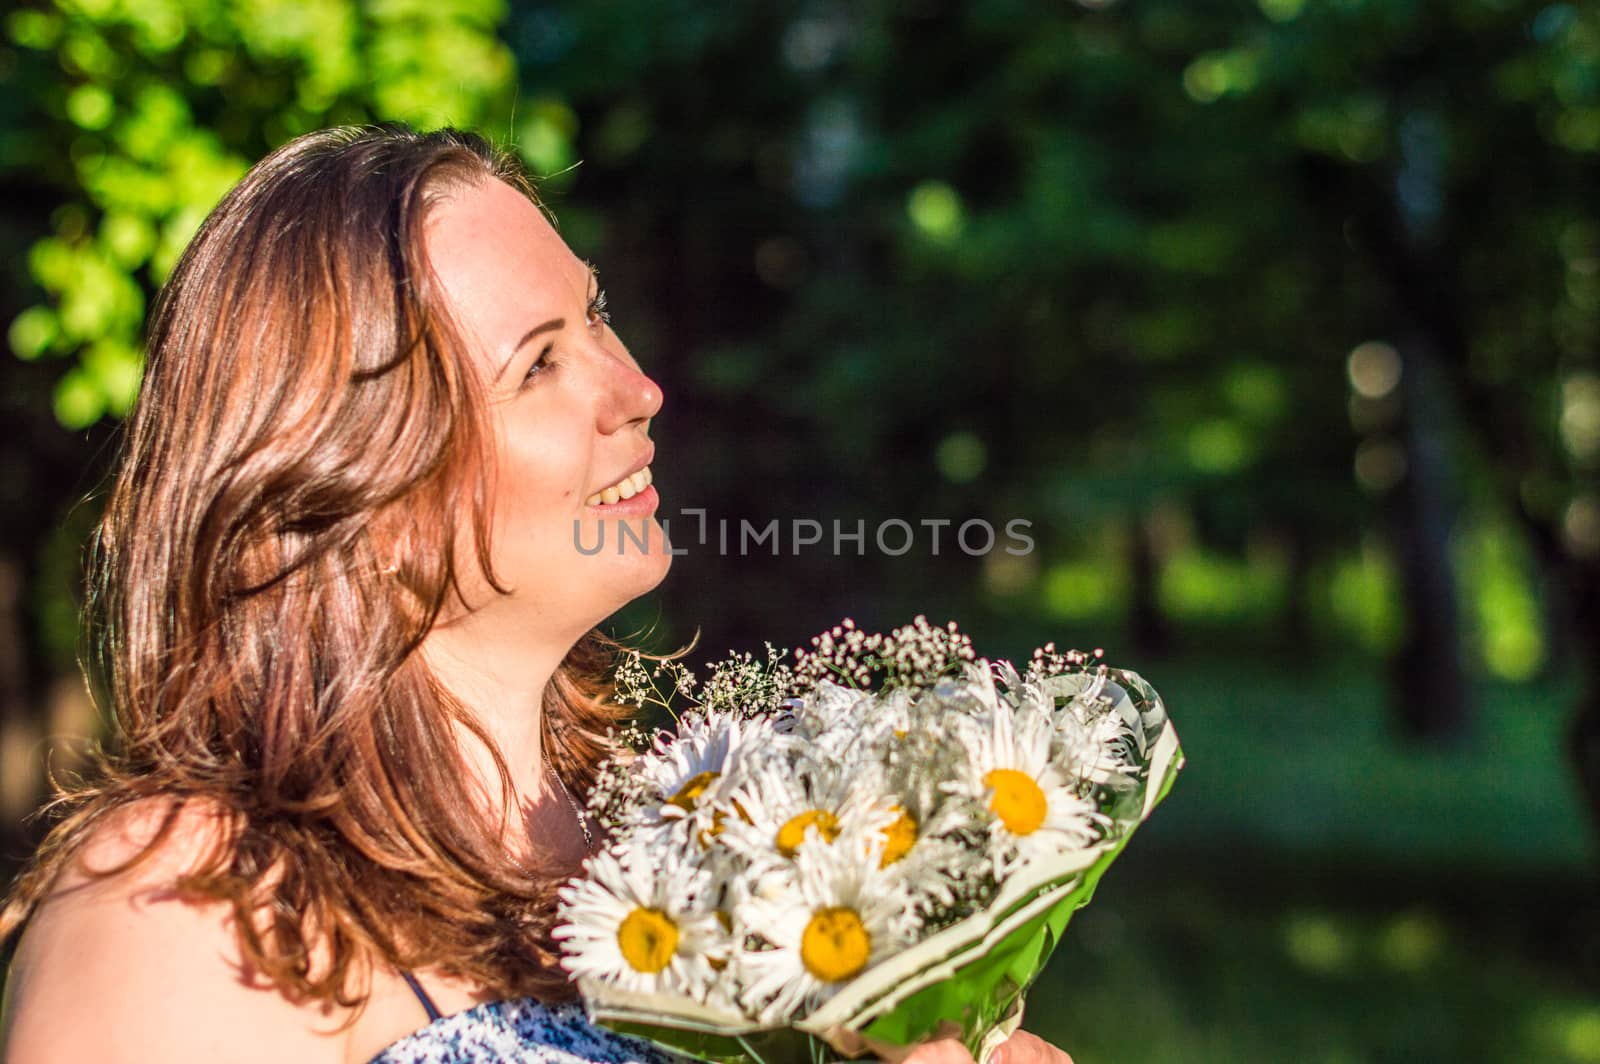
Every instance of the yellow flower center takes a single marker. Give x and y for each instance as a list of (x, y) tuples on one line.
[(691, 791), (647, 938), (1017, 801), (835, 945), (899, 837), (793, 832), (719, 820)]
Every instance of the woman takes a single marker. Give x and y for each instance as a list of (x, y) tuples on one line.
[(348, 637)]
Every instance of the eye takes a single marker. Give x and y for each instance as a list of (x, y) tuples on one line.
[(598, 315), (540, 364)]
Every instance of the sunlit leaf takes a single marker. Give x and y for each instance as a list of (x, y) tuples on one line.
[(1220, 445), (545, 136), (935, 209), (90, 106), (34, 29), (129, 237), (79, 402), (32, 332), (115, 368)]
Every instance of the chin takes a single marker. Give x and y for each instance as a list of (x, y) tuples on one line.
[(648, 572), (634, 575)]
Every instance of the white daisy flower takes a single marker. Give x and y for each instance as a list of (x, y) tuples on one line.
[(972, 694), (829, 917), (688, 770), (1032, 805), (830, 717), (881, 756), (775, 809), (883, 723), (642, 920), (1099, 749), (1094, 739), (920, 821)]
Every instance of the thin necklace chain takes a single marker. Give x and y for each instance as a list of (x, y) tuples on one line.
[(583, 823), (577, 812)]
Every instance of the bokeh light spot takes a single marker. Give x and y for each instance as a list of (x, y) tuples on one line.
[(1364, 595), (1213, 75), (1580, 1036), (1580, 416), (1281, 10), (545, 136), (961, 457), (1219, 446), (1374, 369), (79, 402), (1206, 78), (935, 209), (1079, 590), (32, 332), (1411, 941), (90, 107), (34, 29), (1580, 526), (1256, 391), (1316, 943), (1006, 574), (1380, 464)]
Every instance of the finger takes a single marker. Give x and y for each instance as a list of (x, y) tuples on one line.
[(1026, 1048), (940, 1051)]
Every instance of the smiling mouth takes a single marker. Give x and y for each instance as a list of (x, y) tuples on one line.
[(626, 488)]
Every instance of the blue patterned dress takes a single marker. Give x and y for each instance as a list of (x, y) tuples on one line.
[(521, 1031)]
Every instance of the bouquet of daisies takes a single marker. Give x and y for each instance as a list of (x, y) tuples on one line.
[(878, 844)]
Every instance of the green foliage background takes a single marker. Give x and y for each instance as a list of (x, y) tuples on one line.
[(144, 113), (1278, 321)]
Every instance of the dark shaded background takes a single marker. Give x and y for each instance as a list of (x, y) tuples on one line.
[(1278, 321)]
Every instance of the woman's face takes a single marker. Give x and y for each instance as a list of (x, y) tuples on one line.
[(571, 414)]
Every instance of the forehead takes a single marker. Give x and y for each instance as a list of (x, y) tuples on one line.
[(502, 264)]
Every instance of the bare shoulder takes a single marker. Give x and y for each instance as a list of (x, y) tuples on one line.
[(126, 969)]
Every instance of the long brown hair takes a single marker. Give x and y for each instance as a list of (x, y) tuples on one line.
[(278, 541)]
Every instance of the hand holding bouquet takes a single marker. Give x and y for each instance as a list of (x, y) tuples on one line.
[(877, 845)]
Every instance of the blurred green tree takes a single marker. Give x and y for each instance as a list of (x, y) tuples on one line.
[(1292, 283), (146, 111), (1251, 309)]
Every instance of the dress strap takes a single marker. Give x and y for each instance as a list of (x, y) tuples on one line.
[(422, 995)]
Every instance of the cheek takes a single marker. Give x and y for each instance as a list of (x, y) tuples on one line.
[(538, 477)]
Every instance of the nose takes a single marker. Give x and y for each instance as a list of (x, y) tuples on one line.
[(631, 396)]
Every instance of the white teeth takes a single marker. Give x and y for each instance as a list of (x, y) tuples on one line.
[(626, 488)]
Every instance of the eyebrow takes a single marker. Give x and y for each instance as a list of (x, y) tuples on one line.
[(550, 326)]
